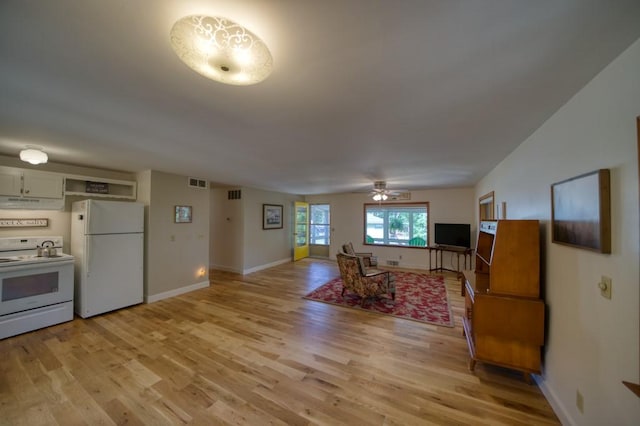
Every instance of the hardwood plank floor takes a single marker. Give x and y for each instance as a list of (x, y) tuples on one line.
[(250, 350)]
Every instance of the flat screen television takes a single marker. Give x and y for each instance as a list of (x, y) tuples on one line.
[(453, 234)]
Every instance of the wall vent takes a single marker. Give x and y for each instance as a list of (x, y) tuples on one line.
[(198, 183), (401, 196), (234, 194), (393, 263)]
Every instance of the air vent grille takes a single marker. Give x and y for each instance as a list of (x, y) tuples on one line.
[(234, 194), (198, 183), (404, 196)]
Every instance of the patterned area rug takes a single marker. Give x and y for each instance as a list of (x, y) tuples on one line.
[(419, 297)]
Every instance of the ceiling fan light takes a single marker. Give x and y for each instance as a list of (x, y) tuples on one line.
[(34, 156), (377, 197)]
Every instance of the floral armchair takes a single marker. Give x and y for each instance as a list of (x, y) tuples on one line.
[(365, 284), (369, 259)]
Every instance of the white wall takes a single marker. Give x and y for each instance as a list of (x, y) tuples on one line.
[(445, 206), (144, 196), (177, 253), (65, 168), (592, 343), (266, 247), (238, 242), (226, 232)]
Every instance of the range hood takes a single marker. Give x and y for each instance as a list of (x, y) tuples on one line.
[(19, 203)]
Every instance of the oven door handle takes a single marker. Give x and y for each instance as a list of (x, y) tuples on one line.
[(19, 266)]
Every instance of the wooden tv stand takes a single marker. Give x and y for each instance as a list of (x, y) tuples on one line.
[(504, 316), (459, 251)]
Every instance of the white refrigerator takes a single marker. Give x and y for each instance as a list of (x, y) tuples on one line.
[(107, 240)]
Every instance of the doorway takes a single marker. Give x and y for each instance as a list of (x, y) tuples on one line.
[(319, 230), (487, 207)]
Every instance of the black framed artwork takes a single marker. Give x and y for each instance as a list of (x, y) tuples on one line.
[(272, 216)]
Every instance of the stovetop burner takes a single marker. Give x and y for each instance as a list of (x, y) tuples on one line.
[(24, 251)]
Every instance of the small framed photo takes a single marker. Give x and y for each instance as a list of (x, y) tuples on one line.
[(271, 216), (183, 214)]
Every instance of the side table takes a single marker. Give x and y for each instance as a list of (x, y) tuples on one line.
[(458, 251)]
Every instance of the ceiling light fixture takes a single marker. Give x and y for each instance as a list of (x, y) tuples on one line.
[(221, 50), (34, 155)]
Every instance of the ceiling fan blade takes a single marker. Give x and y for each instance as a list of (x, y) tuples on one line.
[(380, 187)]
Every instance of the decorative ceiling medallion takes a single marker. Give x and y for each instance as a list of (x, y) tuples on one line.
[(221, 50)]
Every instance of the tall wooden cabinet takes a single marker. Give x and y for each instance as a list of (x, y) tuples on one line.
[(504, 315)]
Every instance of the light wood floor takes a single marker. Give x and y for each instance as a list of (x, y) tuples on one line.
[(250, 350)]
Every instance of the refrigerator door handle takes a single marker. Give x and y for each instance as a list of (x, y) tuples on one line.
[(87, 257)]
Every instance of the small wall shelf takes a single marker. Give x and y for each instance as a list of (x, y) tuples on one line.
[(99, 188)]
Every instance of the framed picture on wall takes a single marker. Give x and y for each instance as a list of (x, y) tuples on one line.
[(183, 214), (581, 212), (272, 216)]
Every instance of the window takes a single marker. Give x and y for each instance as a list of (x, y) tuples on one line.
[(319, 224), (397, 224)]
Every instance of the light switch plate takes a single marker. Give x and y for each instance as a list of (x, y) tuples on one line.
[(579, 401), (605, 287)]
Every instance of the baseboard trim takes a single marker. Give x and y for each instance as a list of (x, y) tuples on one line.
[(382, 263), (176, 292), (266, 266), (552, 399), (225, 269)]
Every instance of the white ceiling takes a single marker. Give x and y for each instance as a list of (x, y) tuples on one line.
[(419, 93)]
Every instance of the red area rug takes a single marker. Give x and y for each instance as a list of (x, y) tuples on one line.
[(419, 297)]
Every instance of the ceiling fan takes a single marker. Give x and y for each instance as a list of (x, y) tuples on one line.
[(381, 193)]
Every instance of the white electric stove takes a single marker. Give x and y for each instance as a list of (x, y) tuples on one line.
[(35, 291)]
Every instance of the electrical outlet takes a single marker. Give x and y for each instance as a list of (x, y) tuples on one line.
[(579, 401), (605, 287)]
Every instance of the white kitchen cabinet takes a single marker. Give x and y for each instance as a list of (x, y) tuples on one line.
[(30, 184), (30, 190), (10, 182), (41, 185)]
